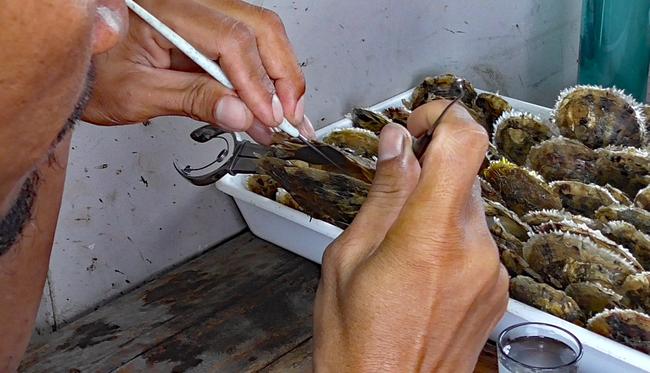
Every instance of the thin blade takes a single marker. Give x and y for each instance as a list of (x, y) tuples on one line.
[(315, 149)]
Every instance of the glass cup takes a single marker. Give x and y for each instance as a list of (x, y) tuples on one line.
[(538, 347)]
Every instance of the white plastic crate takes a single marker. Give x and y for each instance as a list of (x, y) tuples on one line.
[(307, 237)]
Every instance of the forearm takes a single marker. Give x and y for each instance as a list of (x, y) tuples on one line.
[(23, 267)]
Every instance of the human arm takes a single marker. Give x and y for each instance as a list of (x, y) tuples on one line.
[(415, 283)]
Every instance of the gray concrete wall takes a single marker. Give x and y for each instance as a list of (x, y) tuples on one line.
[(126, 214)]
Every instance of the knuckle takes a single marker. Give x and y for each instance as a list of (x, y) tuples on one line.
[(194, 100), (242, 34), (271, 20)]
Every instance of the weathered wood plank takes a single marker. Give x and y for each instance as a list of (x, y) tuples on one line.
[(246, 337), (121, 330), (299, 360)]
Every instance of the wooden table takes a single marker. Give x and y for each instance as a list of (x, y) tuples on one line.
[(245, 305)]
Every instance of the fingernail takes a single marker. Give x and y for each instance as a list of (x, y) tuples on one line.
[(307, 128), (391, 142), (278, 113), (300, 108), (232, 114), (111, 18)]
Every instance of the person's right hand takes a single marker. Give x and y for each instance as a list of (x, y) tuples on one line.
[(415, 282)]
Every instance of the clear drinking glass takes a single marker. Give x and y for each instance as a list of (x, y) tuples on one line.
[(538, 347)]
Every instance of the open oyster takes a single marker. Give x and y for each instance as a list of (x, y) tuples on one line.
[(508, 219), (441, 86), (642, 199), (627, 169), (556, 302), (629, 327), (564, 258), (492, 108), (636, 289), (592, 297), (522, 190), (599, 117), (368, 119), (328, 196), (580, 198), (397, 114), (635, 216), (560, 158), (359, 141), (515, 133)]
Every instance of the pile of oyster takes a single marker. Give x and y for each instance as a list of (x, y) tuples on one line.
[(567, 198)]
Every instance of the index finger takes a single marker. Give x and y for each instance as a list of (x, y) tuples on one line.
[(449, 166), (275, 50)]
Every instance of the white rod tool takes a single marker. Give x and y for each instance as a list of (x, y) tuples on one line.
[(199, 58)]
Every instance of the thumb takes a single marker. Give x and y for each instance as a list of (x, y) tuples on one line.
[(397, 175), (196, 95)]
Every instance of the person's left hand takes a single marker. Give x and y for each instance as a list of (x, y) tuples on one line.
[(145, 76)]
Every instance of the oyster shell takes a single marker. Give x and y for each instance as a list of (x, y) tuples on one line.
[(563, 258), (635, 216), (515, 133), (592, 297), (560, 158), (596, 236), (627, 235), (599, 117), (580, 198), (508, 219), (618, 195), (491, 107), (263, 185), (361, 142), (642, 199), (522, 190), (510, 250), (629, 327), (397, 114), (539, 217), (368, 119), (487, 192), (441, 86), (542, 296), (328, 196), (627, 169), (636, 290)]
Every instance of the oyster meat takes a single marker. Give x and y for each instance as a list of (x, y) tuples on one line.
[(398, 115), (556, 302), (563, 159), (369, 120), (580, 198), (629, 327), (522, 190), (263, 185), (515, 133), (599, 117), (359, 141)]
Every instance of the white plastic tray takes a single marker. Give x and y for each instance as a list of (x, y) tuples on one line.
[(307, 237)]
